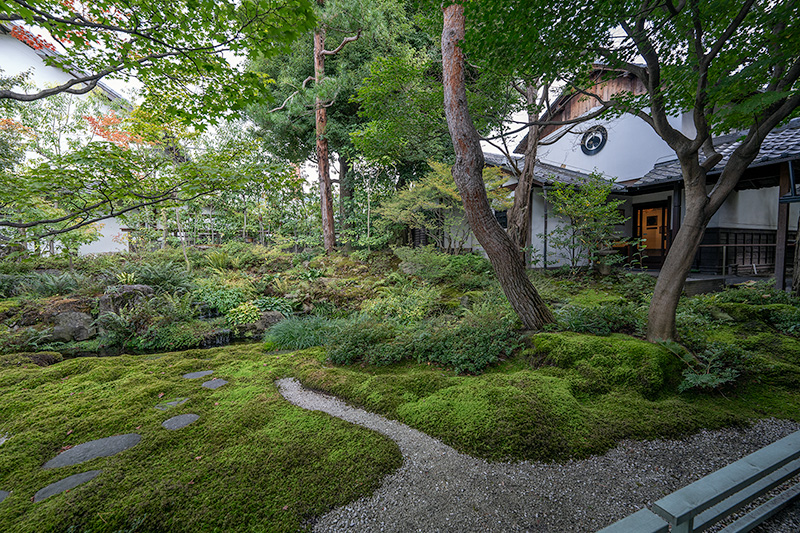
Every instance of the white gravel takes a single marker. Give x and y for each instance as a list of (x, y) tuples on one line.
[(439, 489)]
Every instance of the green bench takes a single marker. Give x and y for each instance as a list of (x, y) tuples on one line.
[(698, 506)]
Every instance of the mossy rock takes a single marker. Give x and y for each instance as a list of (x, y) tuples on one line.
[(603, 363), (502, 416), (25, 358)]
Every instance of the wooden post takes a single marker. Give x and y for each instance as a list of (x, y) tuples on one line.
[(783, 231)]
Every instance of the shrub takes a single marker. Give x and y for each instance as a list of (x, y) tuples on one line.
[(300, 333), (272, 303), (9, 284), (176, 336), (51, 285), (467, 271), (364, 339), (163, 277), (600, 319), (404, 306), (718, 365), (222, 296), (245, 313)]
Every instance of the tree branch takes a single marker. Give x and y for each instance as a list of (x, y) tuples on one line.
[(344, 43)]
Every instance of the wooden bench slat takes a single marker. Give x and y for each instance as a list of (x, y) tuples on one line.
[(732, 504), (642, 521), (758, 515), (682, 505)]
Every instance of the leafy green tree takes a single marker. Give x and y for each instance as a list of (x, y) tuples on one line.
[(176, 48), (314, 84), (434, 204), (592, 220), (731, 65)]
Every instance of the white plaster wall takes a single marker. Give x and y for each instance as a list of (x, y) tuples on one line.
[(752, 209), (630, 152), (19, 57), (112, 238)]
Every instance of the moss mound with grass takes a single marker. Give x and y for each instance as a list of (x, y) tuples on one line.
[(603, 363)]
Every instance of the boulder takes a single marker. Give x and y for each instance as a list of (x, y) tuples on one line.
[(115, 298), (72, 326), (258, 328)]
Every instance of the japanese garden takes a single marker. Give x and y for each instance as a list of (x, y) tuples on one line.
[(395, 265)]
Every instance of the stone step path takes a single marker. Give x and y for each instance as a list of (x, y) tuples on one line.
[(109, 446)]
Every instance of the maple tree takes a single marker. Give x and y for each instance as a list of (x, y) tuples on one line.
[(177, 49)]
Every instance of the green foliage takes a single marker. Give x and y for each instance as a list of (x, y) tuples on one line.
[(163, 277), (718, 365), (10, 284), (591, 221), (433, 203), (245, 313), (403, 306), (300, 333), (271, 303), (221, 260), (222, 296), (171, 336), (43, 284), (601, 319), (467, 271), (467, 345)]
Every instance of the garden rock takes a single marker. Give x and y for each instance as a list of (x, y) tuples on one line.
[(94, 449), (3, 495), (200, 374), (180, 421), (72, 326), (214, 383), (220, 337), (115, 298), (174, 403), (65, 484), (259, 327)]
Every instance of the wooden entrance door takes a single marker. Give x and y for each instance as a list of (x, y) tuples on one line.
[(651, 223)]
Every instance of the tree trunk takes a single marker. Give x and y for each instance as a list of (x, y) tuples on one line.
[(467, 173), (323, 158), (519, 216), (182, 237), (669, 286)]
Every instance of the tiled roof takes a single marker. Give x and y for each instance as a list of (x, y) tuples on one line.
[(781, 144), (543, 172)]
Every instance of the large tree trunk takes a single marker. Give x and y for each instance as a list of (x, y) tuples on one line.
[(467, 173), (323, 160), (700, 207), (519, 216)]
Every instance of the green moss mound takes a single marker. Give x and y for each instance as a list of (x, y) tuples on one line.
[(603, 363), (502, 417)]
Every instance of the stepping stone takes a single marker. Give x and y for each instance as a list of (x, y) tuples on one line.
[(201, 374), (174, 403), (94, 449), (65, 484), (180, 421), (4, 494), (214, 383), (4, 437)]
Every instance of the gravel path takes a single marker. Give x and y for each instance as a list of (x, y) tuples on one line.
[(439, 489)]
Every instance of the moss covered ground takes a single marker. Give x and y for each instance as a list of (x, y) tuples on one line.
[(252, 462)]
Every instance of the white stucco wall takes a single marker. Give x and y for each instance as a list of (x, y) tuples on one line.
[(630, 152), (752, 209), (112, 239), (19, 57)]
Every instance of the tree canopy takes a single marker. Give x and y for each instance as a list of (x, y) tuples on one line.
[(178, 49)]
